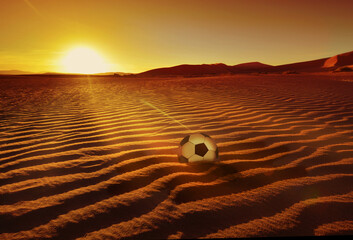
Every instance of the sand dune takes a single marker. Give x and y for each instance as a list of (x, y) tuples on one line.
[(340, 60), (88, 158), (203, 70)]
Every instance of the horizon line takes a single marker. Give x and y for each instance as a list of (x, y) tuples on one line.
[(25, 72)]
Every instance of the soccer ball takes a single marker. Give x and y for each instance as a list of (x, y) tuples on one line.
[(197, 147)]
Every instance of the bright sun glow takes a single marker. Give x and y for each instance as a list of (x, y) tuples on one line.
[(84, 60)]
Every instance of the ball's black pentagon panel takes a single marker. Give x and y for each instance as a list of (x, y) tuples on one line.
[(185, 140), (201, 149), (183, 159), (210, 144)]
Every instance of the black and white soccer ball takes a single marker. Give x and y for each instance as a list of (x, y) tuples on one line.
[(197, 147)]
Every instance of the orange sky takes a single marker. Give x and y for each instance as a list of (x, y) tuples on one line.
[(139, 35)]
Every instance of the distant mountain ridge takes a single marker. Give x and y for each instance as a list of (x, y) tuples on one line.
[(204, 69), (14, 72), (319, 65)]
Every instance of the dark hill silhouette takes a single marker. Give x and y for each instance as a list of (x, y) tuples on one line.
[(205, 69), (319, 65), (250, 67), (188, 70), (307, 66), (13, 72), (323, 64)]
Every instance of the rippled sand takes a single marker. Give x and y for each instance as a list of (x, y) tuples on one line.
[(95, 157)]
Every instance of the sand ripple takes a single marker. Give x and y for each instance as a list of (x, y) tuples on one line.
[(86, 158)]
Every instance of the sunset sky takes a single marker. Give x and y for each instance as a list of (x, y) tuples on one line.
[(134, 36)]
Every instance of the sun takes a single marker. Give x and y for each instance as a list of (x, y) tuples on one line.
[(84, 60)]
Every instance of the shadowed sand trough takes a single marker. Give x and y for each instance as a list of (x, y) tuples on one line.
[(86, 157)]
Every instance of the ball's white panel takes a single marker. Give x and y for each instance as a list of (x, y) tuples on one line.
[(188, 149), (196, 138), (195, 158), (210, 156), (210, 144)]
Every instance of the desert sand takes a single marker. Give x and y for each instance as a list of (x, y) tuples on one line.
[(86, 157)]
